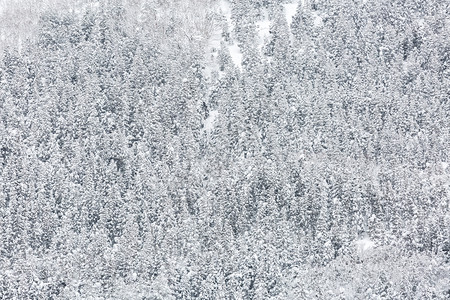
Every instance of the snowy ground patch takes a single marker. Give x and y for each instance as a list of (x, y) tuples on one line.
[(364, 246), (213, 46), (208, 124), (290, 9), (263, 29), (236, 55), (318, 21), (212, 51), (225, 8), (235, 51)]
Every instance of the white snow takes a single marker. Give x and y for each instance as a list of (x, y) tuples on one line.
[(290, 9), (263, 28), (444, 165), (364, 245), (213, 44), (208, 124), (212, 51), (236, 55), (234, 49), (225, 7), (318, 21), (421, 22)]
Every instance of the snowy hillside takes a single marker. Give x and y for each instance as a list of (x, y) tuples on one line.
[(222, 149)]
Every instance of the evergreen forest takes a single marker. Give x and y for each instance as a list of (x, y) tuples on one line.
[(225, 149)]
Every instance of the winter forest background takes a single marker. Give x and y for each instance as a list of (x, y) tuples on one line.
[(219, 149)]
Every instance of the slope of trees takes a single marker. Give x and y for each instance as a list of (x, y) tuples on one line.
[(316, 169)]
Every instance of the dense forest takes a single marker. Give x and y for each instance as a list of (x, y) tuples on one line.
[(215, 149)]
